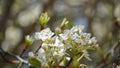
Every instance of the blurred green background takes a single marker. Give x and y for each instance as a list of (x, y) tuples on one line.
[(19, 18)]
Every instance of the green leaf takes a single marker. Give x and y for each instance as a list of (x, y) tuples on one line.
[(34, 62)]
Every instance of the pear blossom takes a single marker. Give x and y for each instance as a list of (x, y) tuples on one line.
[(65, 35), (41, 51), (77, 29), (31, 54), (92, 41), (74, 29), (44, 34), (58, 44)]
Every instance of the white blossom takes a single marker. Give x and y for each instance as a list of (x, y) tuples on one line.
[(92, 41), (63, 36), (44, 34), (77, 28), (58, 44), (31, 54), (74, 29), (41, 51), (68, 58)]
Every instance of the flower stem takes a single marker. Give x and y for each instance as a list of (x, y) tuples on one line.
[(24, 49), (38, 49), (42, 27), (80, 57)]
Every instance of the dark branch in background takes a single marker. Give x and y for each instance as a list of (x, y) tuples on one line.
[(49, 6), (3, 56), (114, 52), (37, 49), (6, 13), (93, 11)]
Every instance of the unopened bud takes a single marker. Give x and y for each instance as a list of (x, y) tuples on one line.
[(44, 18), (28, 40)]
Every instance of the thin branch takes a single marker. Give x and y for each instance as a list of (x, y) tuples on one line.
[(24, 49), (3, 54), (91, 17), (115, 58), (37, 49)]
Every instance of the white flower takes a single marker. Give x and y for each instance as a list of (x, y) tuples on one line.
[(77, 29), (57, 46), (88, 35), (41, 51), (60, 52), (58, 42), (74, 29), (30, 54), (44, 46), (75, 37), (44, 34), (41, 56), (68, 58), (92, 41), (63, 36), (80, 28), (78, 36)]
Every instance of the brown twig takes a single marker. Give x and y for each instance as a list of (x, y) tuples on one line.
[(4, 54)]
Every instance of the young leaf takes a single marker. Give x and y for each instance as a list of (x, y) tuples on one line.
[(34, 62)]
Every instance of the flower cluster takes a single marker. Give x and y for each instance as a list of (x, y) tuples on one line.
[(58, 48)]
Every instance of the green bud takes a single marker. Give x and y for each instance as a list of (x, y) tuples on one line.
[(64, 23), (44, 18), (28, 40)]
